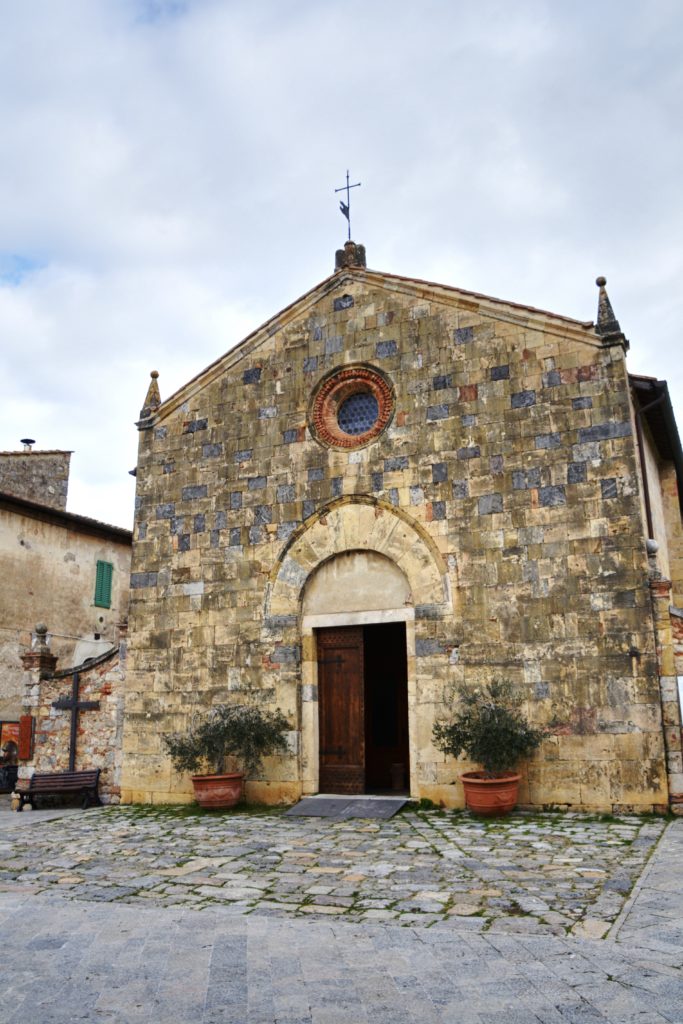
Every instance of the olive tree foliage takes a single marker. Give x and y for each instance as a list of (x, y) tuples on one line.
[(489, 727), (242, 733)]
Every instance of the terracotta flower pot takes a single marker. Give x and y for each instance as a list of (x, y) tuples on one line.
[(490, 796), (213, 791)]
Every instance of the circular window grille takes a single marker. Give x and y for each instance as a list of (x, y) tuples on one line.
[(351, 407), (358, 413)]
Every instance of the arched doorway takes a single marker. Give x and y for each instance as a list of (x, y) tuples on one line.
[(357, 606)]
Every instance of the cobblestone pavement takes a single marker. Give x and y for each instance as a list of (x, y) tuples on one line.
[(126, 915), (535, 874)]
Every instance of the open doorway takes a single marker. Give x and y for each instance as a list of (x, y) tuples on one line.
[(363, 708)]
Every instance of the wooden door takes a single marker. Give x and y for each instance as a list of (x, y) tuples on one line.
[(341, 710)]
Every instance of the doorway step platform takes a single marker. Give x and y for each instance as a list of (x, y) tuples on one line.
[(343, 807)]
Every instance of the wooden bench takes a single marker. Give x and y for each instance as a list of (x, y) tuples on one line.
[(48, 783)]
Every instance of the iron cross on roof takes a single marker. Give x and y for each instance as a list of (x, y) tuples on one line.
[(345, 207)]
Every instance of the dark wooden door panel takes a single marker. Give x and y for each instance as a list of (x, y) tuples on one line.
[(341, 710)]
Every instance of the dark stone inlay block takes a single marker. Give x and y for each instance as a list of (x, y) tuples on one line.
[(343, 302), (142, 531), (169, 467), (161, 433), (263, 515), (551, 379), (281, 621), (439, 472), (461, 335), (166, 511), (396, 462), (215, 536), (334, 344), (490, 504), (608, 488), (428, 611), (177, 525), (235, 537), (311, 362), (286, 529), (500, 373), (583, 402), (385, 349), (425, 647), (468, 453), (551, 497), (308, 509), (442, 381), (138, 580), (243, 456), (235, 500), (604, 431), (497, 464), (289, 436), (468, 419), (199, 524), (438, 510), (256, 535), (337, 483), (221, 520), (252, 376), (437, 412), (286, 492), (194, 492), (184, 542), (284, 655), (576, 473), (257, 483), (212, 451), (548, 440), (377, 480), (194, 425), (316, 473), (392, 495), (461, 489), (523, 399), (523, 479)]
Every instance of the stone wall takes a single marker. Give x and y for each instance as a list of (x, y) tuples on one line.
[(505, 489), (37, 476), (99, 736), (49, 563)]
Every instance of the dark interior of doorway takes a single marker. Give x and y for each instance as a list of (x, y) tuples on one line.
[(386, 708)]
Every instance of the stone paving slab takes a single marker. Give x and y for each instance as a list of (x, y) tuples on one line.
[(532, 874), (81, 961), (347, 807), (125, 915)]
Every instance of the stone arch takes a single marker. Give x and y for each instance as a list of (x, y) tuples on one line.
[(358, 523)]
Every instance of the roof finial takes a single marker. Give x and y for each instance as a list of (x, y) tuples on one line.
[(607, 325), (346, 207), (153, 398)]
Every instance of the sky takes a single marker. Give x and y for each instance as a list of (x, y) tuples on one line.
[(167, 176)]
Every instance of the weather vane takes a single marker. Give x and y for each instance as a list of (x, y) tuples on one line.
[(345, 207)]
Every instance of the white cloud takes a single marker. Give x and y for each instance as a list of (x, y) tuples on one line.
[(168, 170)]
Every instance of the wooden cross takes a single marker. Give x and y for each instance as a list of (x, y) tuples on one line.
[(74, 705), (346, 207)]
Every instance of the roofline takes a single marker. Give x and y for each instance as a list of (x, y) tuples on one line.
[(661, 396), (582, 327), (42, 451), (69, 520)]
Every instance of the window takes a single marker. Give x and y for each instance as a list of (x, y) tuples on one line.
[(103, 584)]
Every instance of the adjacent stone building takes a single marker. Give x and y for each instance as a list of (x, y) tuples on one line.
[(393, 486), (66, 570)]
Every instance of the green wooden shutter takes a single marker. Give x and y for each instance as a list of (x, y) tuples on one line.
[(103, 584)]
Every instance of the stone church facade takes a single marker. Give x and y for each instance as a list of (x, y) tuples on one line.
[(390, 488)]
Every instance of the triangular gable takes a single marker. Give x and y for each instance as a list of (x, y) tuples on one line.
[(484, 305)]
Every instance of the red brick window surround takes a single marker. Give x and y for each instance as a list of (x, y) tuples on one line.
[(351, 407)]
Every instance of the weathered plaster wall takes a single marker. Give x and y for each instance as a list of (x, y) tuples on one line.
[(49, 576), (38, 476), (505, 486)]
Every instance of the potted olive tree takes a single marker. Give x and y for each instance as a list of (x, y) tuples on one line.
[(491, 730), (237, 734)]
